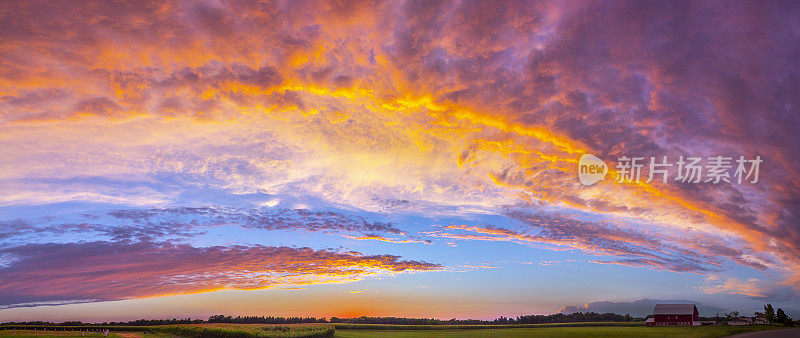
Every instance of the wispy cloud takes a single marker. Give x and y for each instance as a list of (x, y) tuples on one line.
[(632, 247), (182, 222), (752, 287)]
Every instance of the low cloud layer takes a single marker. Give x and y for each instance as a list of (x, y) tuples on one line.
[(639, 308), (102, 271)]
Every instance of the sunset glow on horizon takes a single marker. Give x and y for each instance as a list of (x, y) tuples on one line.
[(413, 158)]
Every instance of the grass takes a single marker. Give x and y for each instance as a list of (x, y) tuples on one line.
[(185, 330), (601, 329), (51, 333), (342, 326), (560, 331), (246, 330)]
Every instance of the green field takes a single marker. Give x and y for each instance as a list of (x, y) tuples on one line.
[(601, 331), (187, 330), (31, 333), (366, 330), (345, 326), (41, 333)]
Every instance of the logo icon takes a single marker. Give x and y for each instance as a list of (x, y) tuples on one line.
[(591, 169)]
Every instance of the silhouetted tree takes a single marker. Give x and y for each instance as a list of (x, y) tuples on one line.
[(780, 316), (529, 319), (769, 312), (264, 320)]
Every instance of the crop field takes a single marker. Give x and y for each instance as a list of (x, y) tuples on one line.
[(41, 333), (564, 331), (247, 330), (344, 326), (184, 330), (379, 330)]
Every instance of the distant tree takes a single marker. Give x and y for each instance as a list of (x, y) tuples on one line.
[(780, 316), (572, 317), (735, 314), (528, 319), (789, 321), (769, 312)]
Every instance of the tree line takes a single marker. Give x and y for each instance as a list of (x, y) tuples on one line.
[(770, 314), (264, 320), (529, 319), (138, 322), (777, 317)]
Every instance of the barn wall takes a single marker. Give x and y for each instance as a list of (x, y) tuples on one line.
[(673, 319)]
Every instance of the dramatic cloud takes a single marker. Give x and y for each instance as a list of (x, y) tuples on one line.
[(113, 270), (432, 109)]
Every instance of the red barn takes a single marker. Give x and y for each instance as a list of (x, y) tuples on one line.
[(674, 314)]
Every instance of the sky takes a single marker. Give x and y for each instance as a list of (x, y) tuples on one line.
[(402, 158)]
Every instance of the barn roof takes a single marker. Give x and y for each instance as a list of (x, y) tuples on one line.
[(674, 309)]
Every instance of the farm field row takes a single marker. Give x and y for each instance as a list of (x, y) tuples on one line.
[(378, 330)]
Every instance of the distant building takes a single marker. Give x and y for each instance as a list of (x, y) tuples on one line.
[(674, 314), (760, 319), (741, 321)]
